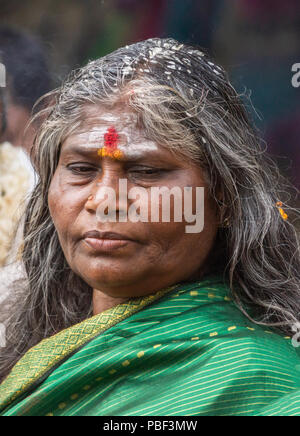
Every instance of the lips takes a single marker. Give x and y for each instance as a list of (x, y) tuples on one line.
[(95, 234), (106, 241)]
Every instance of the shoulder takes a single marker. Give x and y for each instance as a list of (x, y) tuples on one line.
[(204, 317), (209, 357)]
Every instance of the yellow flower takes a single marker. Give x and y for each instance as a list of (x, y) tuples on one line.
[(117, 154), (281, 211)]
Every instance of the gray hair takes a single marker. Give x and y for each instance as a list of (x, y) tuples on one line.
[(184, 101)]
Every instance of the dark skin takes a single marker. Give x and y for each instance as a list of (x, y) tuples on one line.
[(156, 255)]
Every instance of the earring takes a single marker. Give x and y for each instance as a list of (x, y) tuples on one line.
[(226, 223)]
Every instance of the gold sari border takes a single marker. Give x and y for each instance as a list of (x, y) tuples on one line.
[(48, 353)]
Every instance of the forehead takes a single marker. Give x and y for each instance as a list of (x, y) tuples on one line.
[(89, 137), (119, 117), (113, 133), (97, 115), (96, 121)]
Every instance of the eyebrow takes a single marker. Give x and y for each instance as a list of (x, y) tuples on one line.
[(80, 149)]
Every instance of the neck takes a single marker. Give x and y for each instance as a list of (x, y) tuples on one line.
[(102, 301)]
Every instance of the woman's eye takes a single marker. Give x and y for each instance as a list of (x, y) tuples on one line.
[(82, 169), (147, 171)]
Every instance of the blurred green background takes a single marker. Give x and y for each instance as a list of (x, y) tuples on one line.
[(257, 41)]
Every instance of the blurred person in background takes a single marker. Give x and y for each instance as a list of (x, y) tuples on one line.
[(14, 186), (27, 79)]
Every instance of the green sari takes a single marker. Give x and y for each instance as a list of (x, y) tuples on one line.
[(186, 350)]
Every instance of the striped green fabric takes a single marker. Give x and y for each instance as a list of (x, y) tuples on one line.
[(191, 352)]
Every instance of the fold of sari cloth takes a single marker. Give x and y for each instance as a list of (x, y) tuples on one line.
[(184, 351)]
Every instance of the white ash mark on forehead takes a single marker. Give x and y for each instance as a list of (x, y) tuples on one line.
[(124, 122), (136, 148), (131, 141)]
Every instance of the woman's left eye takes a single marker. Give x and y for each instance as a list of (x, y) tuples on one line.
[(81, 169)]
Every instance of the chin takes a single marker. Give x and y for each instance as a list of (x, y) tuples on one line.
[(109, 277)]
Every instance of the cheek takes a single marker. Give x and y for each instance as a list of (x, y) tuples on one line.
[(63, 205), (175, 242), (53, 195), (57, 212)]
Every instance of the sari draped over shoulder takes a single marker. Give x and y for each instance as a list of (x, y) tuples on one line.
[(184, 351)]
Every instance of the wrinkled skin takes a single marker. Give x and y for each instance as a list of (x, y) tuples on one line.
[(158, 254)]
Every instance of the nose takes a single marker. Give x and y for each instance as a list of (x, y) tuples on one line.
[(109, 194), (109, 177)]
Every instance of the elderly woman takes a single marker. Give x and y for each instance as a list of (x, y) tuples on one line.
[(124, 313)]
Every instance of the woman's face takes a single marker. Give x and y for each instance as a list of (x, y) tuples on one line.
[(124, 259)]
